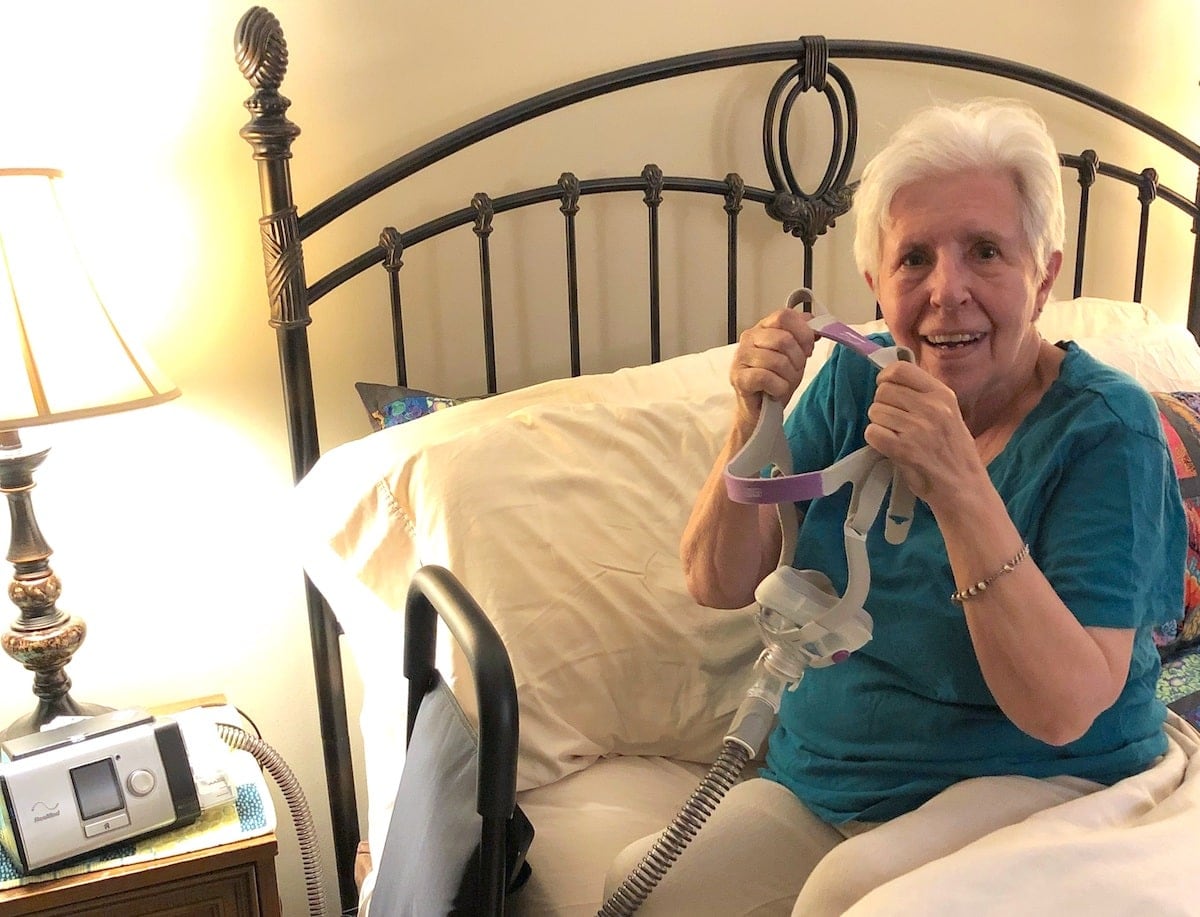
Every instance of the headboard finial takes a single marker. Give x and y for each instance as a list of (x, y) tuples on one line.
[(261, 54), (568, 184), (260, 48)]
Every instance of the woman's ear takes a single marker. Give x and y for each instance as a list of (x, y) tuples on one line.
[(1053, 266), (870, 280)]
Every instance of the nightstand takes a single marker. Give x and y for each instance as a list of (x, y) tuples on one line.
[(233, 880), (230, 875)]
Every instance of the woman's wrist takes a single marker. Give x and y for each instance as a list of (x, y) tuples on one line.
[(960, 596)]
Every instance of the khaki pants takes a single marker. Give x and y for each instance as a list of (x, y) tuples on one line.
[(763, 853)]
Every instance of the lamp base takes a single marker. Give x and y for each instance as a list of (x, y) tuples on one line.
[(44, 637), (45, 649)]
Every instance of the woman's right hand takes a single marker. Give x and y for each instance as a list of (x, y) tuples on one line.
[(727, 548), (770, 360)]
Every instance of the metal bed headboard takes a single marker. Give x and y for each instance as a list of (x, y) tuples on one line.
[(261, 54)]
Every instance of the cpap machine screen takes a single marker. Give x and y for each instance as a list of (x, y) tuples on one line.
[(96, 789)]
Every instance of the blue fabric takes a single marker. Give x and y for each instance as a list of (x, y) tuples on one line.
[(1089, 483)]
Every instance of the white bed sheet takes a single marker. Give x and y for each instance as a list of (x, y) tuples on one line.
[(586, 819)]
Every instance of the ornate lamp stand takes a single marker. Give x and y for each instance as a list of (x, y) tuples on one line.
[(43, 638)]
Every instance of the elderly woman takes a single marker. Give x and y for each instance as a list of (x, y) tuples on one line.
[(1012, 666)]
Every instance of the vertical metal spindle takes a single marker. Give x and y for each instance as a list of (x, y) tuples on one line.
[(733, 206), (393, 248), (653, 177), (570, 207), (1087, 178), (1147, 192), (483, 229)]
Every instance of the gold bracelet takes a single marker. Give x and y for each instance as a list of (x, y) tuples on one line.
[(971, 591)]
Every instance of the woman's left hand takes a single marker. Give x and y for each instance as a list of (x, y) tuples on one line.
[(915, 421)]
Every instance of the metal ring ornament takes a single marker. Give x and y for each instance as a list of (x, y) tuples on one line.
[(843, 110)]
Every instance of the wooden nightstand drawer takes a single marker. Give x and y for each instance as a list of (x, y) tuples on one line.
[(234, 880)]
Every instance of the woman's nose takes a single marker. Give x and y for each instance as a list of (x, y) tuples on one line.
[(948, 282)]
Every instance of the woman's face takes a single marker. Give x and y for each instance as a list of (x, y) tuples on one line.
[(958, 285)]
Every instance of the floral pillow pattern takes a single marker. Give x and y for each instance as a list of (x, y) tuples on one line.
[(389, 405), (1180, 416)]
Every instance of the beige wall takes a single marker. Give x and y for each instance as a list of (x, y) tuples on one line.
[(169, 525)]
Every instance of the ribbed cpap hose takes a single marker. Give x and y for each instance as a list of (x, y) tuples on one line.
[(782, 664), (723, 774), (289, 786)]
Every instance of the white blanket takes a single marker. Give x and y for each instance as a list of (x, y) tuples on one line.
[(1125, 850), (1122, 851)]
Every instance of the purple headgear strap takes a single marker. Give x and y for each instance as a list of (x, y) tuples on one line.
[(767, 446)]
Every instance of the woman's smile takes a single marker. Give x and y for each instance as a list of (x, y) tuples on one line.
[(953, 340)]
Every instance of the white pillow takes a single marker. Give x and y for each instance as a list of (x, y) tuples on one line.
[(1091, 317), (564, 522), (1165, 359), (356, 532)]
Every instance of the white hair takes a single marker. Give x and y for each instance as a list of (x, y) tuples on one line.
[(990, 134)]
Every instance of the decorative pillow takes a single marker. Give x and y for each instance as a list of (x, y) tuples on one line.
[(1180, 416), (389, 405)]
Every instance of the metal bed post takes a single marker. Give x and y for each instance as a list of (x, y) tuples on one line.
[(393, 247), (1147, 192), (1088, 165), (484, 211), (569, 186), (733, 206), (261, 54), (652, 175)]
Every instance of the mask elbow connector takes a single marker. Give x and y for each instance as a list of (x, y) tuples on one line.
[(756, 716)]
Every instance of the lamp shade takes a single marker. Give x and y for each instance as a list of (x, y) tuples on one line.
[(61, 355)]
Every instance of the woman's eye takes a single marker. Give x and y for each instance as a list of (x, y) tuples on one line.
[(913, 259), (987, 251)]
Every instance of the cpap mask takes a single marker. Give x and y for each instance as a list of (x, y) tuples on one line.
[(803, 621)]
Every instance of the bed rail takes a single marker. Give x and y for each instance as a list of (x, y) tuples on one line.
[(261, 54), (436, 593)]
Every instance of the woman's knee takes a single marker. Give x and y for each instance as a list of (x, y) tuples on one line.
[(626, 862), (751, 857), (838, 881)]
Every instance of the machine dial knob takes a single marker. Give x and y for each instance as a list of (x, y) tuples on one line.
[(140, 783)]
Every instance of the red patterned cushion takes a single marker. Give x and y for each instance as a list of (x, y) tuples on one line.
[(1180, 416)]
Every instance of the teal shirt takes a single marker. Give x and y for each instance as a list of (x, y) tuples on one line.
[(1089, 483)]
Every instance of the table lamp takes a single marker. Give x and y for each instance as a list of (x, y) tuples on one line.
[(61, 358)]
